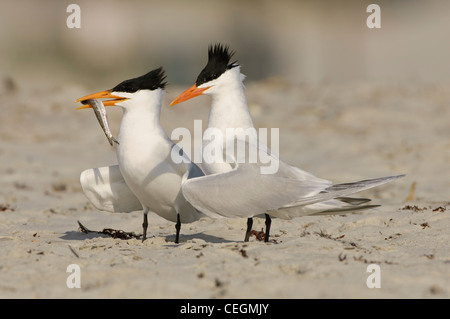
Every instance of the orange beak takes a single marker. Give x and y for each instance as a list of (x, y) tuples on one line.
[(193, 91), (100, 95)]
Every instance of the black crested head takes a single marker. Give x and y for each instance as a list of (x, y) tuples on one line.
[(218, 62), (151, 81)]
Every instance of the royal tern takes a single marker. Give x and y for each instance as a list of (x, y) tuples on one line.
[(239, 189), (144, 157)]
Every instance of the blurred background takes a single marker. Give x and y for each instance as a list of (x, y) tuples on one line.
[(300, 41), (351, 103)]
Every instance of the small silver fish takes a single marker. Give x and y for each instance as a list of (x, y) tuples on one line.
[(100, 113)]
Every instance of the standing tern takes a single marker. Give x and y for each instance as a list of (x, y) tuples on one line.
[(238, 189), (144, 157)]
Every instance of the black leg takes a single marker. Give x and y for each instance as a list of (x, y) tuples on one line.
[(249, 228), (144, 227), (268, 222), (177, 227)]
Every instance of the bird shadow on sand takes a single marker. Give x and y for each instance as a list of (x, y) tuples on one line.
[(84, 233), (78, 235), (170, 239)]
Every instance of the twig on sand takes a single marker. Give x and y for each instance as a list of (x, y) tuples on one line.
[(411, 193), (74, 252), (114, 233)]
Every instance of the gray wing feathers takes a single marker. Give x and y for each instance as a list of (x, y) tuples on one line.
[(244, 192), (345, 189)]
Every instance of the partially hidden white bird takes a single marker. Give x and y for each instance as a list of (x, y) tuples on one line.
[(146, 177), (237, 188)]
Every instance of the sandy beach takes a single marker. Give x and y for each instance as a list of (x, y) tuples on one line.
[(351, 102), (341, 132)]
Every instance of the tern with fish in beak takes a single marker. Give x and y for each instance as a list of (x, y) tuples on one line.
[(144, 153)]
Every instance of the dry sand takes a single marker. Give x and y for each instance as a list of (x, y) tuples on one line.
[(342, 132)]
